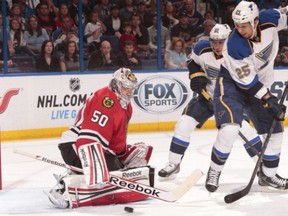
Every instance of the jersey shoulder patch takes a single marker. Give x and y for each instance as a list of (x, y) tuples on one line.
[(202, 47), (239, 47), (269, 18), (108, 102)]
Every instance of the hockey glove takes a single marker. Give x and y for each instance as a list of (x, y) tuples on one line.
[(270, 102), (198, 81)]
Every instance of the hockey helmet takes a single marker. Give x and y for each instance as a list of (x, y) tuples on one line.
[(220, 32), (245, 12)]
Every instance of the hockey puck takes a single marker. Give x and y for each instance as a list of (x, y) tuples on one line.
[(128, 209)]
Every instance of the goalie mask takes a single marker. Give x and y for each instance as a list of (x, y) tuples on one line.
[(123, 83)]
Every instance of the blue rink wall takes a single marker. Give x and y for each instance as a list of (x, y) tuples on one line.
[(43, 106)]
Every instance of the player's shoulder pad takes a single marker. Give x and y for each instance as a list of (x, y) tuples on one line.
[(202, 47), (269, 18), (239, 47)]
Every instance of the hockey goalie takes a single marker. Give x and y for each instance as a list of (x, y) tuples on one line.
[(97, 144)]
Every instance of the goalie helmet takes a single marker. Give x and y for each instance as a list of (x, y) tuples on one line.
[(123, 83), (245, 12), (220, 32)]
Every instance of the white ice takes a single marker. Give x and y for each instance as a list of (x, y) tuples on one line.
[(25, 179)]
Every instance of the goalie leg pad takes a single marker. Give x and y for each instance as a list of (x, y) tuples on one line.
[(78, 194), (94, 164)]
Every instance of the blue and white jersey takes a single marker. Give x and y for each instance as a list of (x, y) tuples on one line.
[(249, 61), (203, 55)]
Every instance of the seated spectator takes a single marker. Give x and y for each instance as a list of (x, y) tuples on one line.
[(141, 34), (10, 62), (207, 25), (52, 8), (46, 18), (209, 15), (169, 17), (185, 31), (17, 37), (10, 43), (128, 57), (15, 12), (70, 60), (26, 10), (35, 35), (62, 35), (145, 15), (153, 35), (127, 10), (103, 59), (175, 57), (63, 11), (85, 12), (103, 9), (282, 57), (47, 62), (195, 18), (127, 35), (113, 22), (93, 31)]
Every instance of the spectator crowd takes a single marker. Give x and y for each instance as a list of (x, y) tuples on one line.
[(45, 34)]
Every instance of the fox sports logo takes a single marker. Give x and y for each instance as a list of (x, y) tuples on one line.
[(160, 94)]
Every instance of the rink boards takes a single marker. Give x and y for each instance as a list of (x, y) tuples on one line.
[(45, 106)]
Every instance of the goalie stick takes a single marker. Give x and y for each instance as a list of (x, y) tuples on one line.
[(239, 194), (156, 193)]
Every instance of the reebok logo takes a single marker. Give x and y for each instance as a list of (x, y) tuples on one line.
[(6, 98), (133, 186), (131, 174)]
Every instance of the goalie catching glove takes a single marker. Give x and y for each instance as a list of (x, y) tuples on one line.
[(136, 155), (270, 102)]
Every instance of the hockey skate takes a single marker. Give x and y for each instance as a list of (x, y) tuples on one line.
[(212, 180), (57, 198), (169, 171), (276, 181)]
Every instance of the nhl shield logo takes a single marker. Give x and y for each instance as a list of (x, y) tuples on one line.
[(74, 84)]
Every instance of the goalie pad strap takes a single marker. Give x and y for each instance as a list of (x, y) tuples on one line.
[(94, 164)]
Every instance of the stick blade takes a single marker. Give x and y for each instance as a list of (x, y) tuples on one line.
[(187, 184), (230, 198)]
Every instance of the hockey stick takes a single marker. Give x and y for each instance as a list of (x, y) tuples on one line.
[(239, 194), (156, 193), (253, 148)]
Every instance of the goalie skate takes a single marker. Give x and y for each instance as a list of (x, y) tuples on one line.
[(57, 198), (169, 171)]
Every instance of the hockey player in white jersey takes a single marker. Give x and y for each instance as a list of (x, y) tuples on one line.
[(204, 66), (243, 83)]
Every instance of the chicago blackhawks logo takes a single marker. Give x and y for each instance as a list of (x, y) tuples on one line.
[(107, 102)]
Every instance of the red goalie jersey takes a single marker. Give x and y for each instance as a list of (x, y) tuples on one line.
[(103, 119)]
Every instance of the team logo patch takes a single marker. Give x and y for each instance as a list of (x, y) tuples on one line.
[(107, 102), (220, 114)]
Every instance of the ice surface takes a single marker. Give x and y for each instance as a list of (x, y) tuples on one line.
[(25, 179)]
